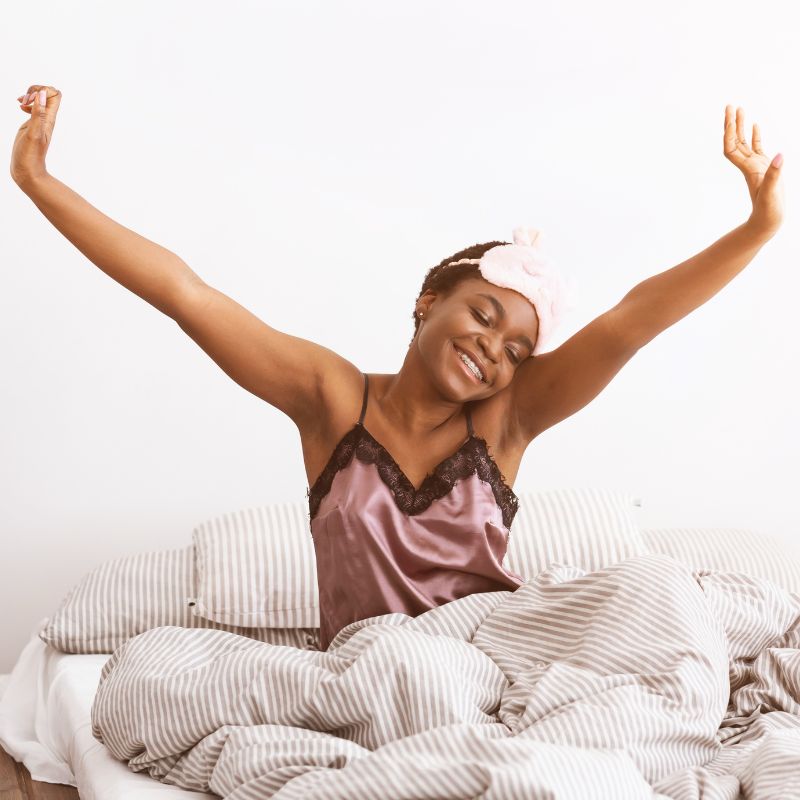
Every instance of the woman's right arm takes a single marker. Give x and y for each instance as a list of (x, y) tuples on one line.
[(149, 270), (286, 371)]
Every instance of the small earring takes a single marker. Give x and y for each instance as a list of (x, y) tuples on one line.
[(421, 314)]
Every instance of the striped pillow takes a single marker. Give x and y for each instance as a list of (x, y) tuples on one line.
[(587, 528), (126, 596), (257, 567), (729, 550)]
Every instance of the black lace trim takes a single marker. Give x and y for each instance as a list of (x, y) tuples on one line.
[(472, 456)]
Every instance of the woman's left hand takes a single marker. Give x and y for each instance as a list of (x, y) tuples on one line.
[(762, 175)]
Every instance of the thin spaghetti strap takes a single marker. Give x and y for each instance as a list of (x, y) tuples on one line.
[(364, 403), (469, 422)]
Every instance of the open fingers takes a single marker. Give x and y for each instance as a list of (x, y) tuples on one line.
[(735, 145), (757, 139), (729, 139), (741, 138), (740, 124)]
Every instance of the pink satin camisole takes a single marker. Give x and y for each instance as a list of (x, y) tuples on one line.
[(382, 546)]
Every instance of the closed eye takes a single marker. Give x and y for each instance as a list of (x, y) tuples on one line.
[(484, 320)]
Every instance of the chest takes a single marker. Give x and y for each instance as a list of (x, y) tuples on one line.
[(416, 460), (415, 469), (362, 474)]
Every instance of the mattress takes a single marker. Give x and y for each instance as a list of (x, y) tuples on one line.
[(45, 705)]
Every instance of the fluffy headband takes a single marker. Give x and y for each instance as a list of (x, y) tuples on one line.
[(524, 267)]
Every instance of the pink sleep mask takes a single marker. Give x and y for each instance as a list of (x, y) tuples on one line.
[(525, 268)]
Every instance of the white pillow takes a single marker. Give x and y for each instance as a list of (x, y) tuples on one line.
[(729, 550), (257, 567)]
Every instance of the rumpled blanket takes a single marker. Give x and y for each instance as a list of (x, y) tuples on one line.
[(645, 679)]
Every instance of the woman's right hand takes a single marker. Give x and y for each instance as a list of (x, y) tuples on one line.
[(33, 138)]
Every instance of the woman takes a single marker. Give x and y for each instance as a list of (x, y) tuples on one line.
[(395, 526)]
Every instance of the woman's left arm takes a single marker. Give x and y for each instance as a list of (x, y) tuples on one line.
[(660, 301), (553, 385)]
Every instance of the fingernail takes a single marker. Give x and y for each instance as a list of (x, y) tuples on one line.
[(42, 97), (778, 160)]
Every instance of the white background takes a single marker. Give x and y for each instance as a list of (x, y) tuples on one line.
[(313, 161)]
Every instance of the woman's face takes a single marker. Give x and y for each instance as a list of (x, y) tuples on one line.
[(496, 327)]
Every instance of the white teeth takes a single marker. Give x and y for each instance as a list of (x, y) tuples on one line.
[(471, 364)]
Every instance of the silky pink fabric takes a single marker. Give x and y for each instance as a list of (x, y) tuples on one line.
[(373, 559)]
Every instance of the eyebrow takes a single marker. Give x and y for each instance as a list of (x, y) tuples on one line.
[(501, 312)]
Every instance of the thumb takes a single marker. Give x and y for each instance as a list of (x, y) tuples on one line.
[(774, 168), (44, 114)]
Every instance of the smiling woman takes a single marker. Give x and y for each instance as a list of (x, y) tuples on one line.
[(419, 514), (407, 481), (494, 323), (449, 273), (523, 267)]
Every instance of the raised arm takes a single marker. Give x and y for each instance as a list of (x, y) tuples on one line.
[(551, 387), (661, 300), (284, 370), (147, 269), (288, 372)]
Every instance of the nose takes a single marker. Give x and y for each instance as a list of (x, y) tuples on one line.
[(489, 346)]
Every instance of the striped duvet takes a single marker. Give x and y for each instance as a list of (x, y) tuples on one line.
[(644, 679)]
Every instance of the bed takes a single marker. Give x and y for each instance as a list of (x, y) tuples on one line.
[(197, 591), (46, 727)]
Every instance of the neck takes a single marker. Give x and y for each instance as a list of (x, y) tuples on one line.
[(413, 402)]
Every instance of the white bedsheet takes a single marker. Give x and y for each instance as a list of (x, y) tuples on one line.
[(45, 705)]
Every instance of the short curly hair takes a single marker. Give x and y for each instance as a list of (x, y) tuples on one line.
[(442, 278)]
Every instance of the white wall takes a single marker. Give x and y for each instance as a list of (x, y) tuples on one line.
[(313, 161)]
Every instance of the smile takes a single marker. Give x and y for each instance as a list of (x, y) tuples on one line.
[(460, 355)]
